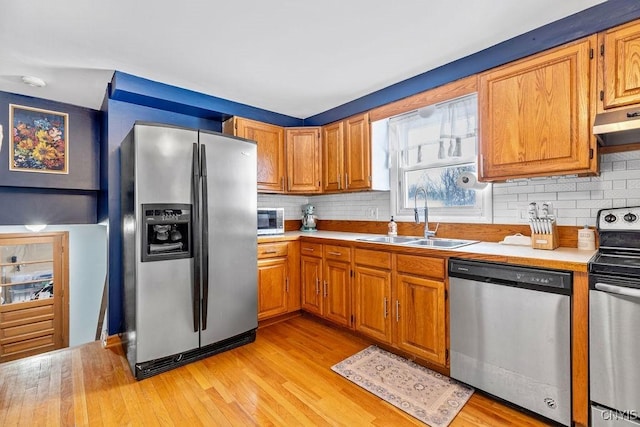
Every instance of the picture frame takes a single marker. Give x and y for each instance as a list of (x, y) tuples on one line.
[(39, 140)]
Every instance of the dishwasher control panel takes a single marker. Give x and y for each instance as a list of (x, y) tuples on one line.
[(512, 275)]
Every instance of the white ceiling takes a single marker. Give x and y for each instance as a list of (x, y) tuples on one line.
[(293, 57)]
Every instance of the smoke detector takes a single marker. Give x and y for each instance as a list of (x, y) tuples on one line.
[(33, 81)]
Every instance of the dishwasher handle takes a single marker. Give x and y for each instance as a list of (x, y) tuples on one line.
[(618, 290)]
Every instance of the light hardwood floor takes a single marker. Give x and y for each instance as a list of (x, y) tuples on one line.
[(283, 379)]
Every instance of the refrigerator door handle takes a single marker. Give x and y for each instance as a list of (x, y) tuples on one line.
[(205, 237), (195, 180)]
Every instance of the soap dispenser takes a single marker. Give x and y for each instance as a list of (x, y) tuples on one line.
[(392, 228)]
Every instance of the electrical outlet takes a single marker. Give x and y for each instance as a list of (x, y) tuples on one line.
[(524, 215), (103, 338), (371, 213)]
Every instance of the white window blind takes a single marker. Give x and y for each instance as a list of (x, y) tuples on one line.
[(430, 148)]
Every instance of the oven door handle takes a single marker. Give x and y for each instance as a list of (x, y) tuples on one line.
[(618, 290)]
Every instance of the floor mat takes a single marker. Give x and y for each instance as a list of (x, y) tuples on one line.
[(429, 396)]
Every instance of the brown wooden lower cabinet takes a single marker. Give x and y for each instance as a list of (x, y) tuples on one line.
[(325, 272), (337, 291), (405, 306), (272, 287), (373, 304), (373, 308), (311, 284), (278, 286), (34, 304), (420, 317)]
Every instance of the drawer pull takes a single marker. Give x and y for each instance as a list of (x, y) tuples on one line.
[(270, 252), (307, 249), (335, 253)]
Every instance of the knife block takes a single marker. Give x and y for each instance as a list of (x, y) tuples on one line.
[(548, 241)]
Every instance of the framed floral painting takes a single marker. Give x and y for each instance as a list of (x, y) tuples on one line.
[(39, 140)]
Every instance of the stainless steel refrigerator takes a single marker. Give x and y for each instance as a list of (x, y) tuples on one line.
[(188, 200)]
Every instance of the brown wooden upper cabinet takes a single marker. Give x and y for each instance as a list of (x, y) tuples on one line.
[(333, 157), (303, 159), (536, 115), (346, 154), (271, 159), (620, 54)]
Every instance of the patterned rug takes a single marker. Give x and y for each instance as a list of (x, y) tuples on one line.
[(420, 392)]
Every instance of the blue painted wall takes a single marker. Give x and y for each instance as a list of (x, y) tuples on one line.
[(29, 197), (137, 90)]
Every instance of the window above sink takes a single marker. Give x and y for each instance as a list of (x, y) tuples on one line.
[(432, 147)]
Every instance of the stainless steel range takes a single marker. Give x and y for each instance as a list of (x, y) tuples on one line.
[(614, 320)]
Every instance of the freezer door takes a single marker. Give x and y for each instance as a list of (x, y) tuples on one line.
[(164, 309), (230, 215)]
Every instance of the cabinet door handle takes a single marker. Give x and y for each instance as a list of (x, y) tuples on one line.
[(346, 181), (386, 311), (286, 285), (618, 290), (335, 253), (317, 286), (339, 183), (397, 310), (288, 183), (282, 182), (325, 289)]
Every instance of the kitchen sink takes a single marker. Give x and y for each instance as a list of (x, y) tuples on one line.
[(436, 242), (389, 239), (431, 242)]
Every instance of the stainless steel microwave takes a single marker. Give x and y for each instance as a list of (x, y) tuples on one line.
[(270, 221)]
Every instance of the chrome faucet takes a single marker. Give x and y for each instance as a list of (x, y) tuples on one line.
[(427, 233)]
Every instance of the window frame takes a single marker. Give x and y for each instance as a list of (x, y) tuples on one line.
[(482, 212)]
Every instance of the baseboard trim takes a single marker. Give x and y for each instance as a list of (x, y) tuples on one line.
[(278, 319), (111, 341)]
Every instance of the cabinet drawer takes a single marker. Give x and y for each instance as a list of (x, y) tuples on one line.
[(272, 250), (421, 266), (27, 331), (373, 258), (311, 249), (339, 253), (41, 344), (15, 317)]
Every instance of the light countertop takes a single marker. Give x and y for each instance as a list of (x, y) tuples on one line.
[(558, 258)]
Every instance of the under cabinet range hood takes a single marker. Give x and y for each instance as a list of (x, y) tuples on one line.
[(618, 127)]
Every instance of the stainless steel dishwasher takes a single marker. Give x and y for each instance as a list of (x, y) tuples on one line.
[(510, 334)]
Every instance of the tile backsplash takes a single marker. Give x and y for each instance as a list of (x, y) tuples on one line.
[(292, 204), (575, 201)]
